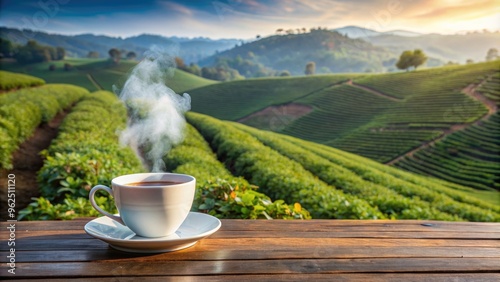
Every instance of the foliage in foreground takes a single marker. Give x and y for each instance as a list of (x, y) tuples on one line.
[(85, 153), (396, 197), (23, 110), (219, 193), (278, 176), (10, 80)]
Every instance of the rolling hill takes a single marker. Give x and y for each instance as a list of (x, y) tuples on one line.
[(381, 116), (328, 182), (99, 74), (322, 178), (331, 51), (469, 156)]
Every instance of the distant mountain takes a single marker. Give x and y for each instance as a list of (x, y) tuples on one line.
[(457, 47), (402, 33), (356, 32), (191, 50), (360, 32), (330, 50)]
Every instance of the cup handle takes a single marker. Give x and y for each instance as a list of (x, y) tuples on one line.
[(94, 204)]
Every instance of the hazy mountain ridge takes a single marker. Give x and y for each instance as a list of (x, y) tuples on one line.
[(191, 50), (346, 49), (454, 47), (359, 32)]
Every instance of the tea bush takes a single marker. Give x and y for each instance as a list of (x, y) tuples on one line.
[(23, 110), (85, 153), (392, 204), (278, 176), (10, 80), (218, 192), (439, 196)]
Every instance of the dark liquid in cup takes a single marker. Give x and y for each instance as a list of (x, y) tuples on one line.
[(152, 183)]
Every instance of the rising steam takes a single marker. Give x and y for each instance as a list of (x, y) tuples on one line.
[(156, 113)]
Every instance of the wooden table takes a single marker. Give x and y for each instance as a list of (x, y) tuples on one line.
[(275, 250)]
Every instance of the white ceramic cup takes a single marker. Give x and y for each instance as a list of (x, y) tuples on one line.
[(150, 211)]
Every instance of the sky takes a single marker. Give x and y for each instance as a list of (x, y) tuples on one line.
[(246, 18)]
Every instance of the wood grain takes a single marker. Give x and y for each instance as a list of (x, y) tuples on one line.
[(277, 250)]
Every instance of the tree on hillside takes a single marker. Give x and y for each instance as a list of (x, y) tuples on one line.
[(285, 73), (60, 53), (194, 69), (310, 68), (179, 63), (404, 60), (418, 58), (6, 48), (115, 55), (32, 52), (131, 55), (492, 54), (409, 59)]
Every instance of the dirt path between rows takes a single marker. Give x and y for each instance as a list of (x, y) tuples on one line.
[(470, 90), (27, 162)]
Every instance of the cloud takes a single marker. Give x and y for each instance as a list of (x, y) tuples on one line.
[(246, 18), (465, 10), (176, 8)]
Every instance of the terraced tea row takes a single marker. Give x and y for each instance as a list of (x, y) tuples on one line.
[(361, 164), (470, 156), (98, 74), (491, 89), (86, 152), (219, 193), (237, 99), (395, 197), (22, 111), (278, 176), (10, 80), (383, 145), (370, 123), (337, 111), (396, 194), (435, 80)]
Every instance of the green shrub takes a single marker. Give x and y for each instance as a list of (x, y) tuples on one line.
[(85, 153), (218, 192), (22, 111), (10, 80), (278, 176)]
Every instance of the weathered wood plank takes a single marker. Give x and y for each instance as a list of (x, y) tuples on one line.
[(338, 277), (304, 226), (264, 243), (199, 252), (287, 266), (80, 234)]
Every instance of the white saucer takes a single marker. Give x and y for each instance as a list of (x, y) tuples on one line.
[(195, 227)]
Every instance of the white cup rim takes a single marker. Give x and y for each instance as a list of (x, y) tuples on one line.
[(123, 180)]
